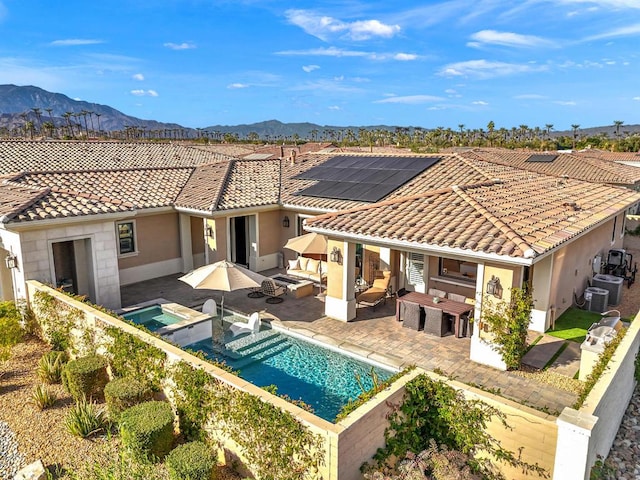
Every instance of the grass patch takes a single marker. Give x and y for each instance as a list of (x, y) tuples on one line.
[(573, 324)]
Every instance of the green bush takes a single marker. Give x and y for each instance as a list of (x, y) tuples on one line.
[(42, 397), (51, 365), (123, 393), (191, 461), (85, 418), (85, 376), (147, 429), (11, 331)]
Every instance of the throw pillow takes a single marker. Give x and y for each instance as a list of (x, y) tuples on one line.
[(294, 264), (312, 266)]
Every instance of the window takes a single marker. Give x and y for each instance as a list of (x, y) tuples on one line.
[(465, 271), (126, 238), (415, 268)]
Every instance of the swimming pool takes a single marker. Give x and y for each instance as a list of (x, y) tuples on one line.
[(152, 317), (323, 378)]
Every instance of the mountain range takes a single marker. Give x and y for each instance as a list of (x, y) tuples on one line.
[(20, 104)]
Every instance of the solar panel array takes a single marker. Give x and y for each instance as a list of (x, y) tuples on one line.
[(541, 158), (363, 179)]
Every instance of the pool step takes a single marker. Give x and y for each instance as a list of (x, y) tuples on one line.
[(262, 355), (246, 342)]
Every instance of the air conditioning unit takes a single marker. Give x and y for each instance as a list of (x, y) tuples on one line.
[(596, 299), (611, 283)]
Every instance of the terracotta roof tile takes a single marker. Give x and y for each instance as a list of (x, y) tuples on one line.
[(579, 166), (143, 188), (250, 183), (516, 218), (19, 156)]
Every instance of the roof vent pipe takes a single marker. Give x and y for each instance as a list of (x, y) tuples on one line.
[(292, 158)]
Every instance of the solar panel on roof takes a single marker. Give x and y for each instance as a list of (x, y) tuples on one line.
[(541, 158), (364, 179)]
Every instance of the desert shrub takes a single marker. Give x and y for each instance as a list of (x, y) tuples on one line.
[(51, 365), (146, 429), (42, 397), (85, 418), (85, 376), (123, 393), (11, 331), (191, 461)]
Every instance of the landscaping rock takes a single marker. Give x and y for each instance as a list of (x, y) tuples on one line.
[(10, 459), (33, 471)]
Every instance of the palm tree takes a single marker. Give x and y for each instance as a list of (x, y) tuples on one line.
[(38, 113), (98, 115), (575, 128), (618, 124)]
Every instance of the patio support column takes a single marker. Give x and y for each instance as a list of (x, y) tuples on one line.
[(185, 242), (340, 302)]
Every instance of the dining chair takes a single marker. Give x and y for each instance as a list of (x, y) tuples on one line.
[(437, 293), (413, 316), (456, 297), (436, 323)]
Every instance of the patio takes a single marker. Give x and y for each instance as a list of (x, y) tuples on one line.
[(373, 331)]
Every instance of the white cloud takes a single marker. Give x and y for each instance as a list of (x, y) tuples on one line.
[(323, 27), (339, 78), (484, 69), (179, 46), (310, 68), (138, 76), (405, 56), (565, 103), (72, 42), (334, 107), (507, 39), (238, 85), (144, 93), (480, 102), (628, 31), (411, 99), (636, 99), (325, 52)]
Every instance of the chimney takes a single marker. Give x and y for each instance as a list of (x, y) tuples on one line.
[(292, 158)]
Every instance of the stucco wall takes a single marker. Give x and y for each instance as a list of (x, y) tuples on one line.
[(572, 264), (197, 235), (158, 238), (37, 257), (585, 434)]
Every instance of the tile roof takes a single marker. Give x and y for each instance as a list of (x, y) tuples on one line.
[(19, 156), (250, 184), (143, 188), (233, 184), (450, 170), (518, 218), (576, 166), (22, 203)]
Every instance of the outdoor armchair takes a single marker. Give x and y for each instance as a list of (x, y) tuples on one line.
[(273, 291)]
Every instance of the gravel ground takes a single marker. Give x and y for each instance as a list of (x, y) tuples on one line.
[(28, 434)]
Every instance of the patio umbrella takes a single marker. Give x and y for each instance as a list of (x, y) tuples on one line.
[(313, 243), (308, 243), (224, 276)]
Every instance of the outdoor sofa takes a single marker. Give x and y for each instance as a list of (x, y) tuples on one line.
[(307, 269)]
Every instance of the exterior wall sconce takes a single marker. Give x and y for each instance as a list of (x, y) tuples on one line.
[(336, 255), (493, 287), (209, 231), (11, 261), (285, 222)]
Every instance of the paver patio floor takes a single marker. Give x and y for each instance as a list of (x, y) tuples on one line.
[(373, 329)]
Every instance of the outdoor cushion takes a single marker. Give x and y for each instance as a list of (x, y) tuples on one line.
[(303, 261), (294, 264), (312, 265)]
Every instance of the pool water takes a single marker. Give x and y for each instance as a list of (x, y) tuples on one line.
[(322, 378), (152, 317)]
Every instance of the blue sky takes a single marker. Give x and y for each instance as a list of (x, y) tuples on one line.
[(343, 63)]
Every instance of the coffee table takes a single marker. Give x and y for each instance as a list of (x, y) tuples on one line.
[(295, 286)]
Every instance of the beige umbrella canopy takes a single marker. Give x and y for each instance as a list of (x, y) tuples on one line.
[(222, 275), (308, 243)]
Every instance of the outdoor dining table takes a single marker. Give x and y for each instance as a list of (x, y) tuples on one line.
[(450, 307)]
